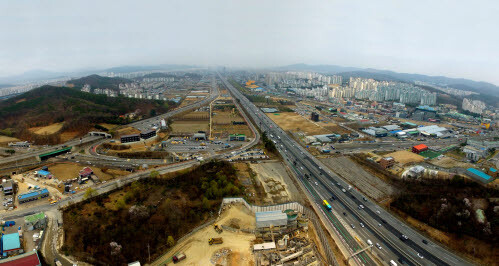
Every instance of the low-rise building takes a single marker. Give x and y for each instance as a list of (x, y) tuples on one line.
[(130, 138), (35, 221), (419, 148), (237, 137), (33, 195), (148, 134), (199, 136), (387, 162), (475, 154), (29, 258), (11, 244), (8, 187), (479, 175)]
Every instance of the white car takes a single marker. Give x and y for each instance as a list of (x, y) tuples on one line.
[(378, 245), (420, 256)]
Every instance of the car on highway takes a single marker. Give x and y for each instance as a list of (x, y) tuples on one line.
[(361, 206), (364, 198), (362, 225), (344, 191), (424, 241), (316, 183), (353, 226), (378, 246), (403, 237), (420, 256), (344, 213)]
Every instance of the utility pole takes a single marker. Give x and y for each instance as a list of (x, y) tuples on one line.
[(149, 251)]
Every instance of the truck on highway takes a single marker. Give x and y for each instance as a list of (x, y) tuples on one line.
[(326, 204), (178, 257), (393, 263), (369, 242), (215, 240)]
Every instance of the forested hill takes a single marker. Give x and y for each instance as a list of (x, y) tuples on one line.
[(96, 81), (79, 111)]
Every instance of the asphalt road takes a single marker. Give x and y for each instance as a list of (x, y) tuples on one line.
[(391, 229)]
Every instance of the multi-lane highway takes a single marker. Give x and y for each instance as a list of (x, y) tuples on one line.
[(383, 227)]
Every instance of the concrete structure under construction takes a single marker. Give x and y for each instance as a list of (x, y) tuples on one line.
[(271, 218)]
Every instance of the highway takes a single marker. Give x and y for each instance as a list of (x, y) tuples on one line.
[(387, 228), (24, 156)]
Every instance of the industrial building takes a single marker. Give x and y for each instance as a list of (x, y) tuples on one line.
[(474, 153), (11, 245), (434, 131), (147, 134), (130, 138), (271, 218), (479, 175), (423, 113), (237, 137), (33, 195), (419, 148)]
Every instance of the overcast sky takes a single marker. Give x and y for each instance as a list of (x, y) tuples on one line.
[(452, 38)]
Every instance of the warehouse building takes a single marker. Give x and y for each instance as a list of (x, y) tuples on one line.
[(434, 131), (271, 218), (130, 138), (479, 175), (33, 195)]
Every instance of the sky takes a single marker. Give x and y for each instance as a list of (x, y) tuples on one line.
[(452, 38)]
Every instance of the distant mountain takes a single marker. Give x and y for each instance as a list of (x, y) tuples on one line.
[(79, 111), (317, 68), (5, 85), (96, 81), (126, 69)]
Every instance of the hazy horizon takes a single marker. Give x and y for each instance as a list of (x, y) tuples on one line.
[(448, 38)]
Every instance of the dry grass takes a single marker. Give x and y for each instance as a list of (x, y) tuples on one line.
[(296, 123), (448, 162), (65, 171), (108, 126), (189, 126), (50, 129), (66, 136), (5, 139), (127, 131)]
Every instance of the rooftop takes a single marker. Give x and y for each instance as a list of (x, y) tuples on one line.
[(11, 241), (484, 176), (421, 147), (29, 258), (33, 193), (35, 217), (43, 172)]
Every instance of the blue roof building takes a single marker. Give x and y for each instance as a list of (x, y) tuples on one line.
[(479, 175), (43, 172), (10, 242)]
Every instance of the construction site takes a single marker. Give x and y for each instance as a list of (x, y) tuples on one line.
[(244, 234)]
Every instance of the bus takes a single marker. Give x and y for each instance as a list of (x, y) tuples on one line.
[(328, 207)]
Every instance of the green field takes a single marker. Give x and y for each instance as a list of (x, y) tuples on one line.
[(430, 154)]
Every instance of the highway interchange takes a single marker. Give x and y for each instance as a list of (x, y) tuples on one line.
[(383, 227)]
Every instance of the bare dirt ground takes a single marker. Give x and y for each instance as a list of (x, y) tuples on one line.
[(405, 157), (50, 129), (188, 101), (65, 171), (296, 123), (448, 162), (359, 178), (276, 182), (236, 246), (108, 126)]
